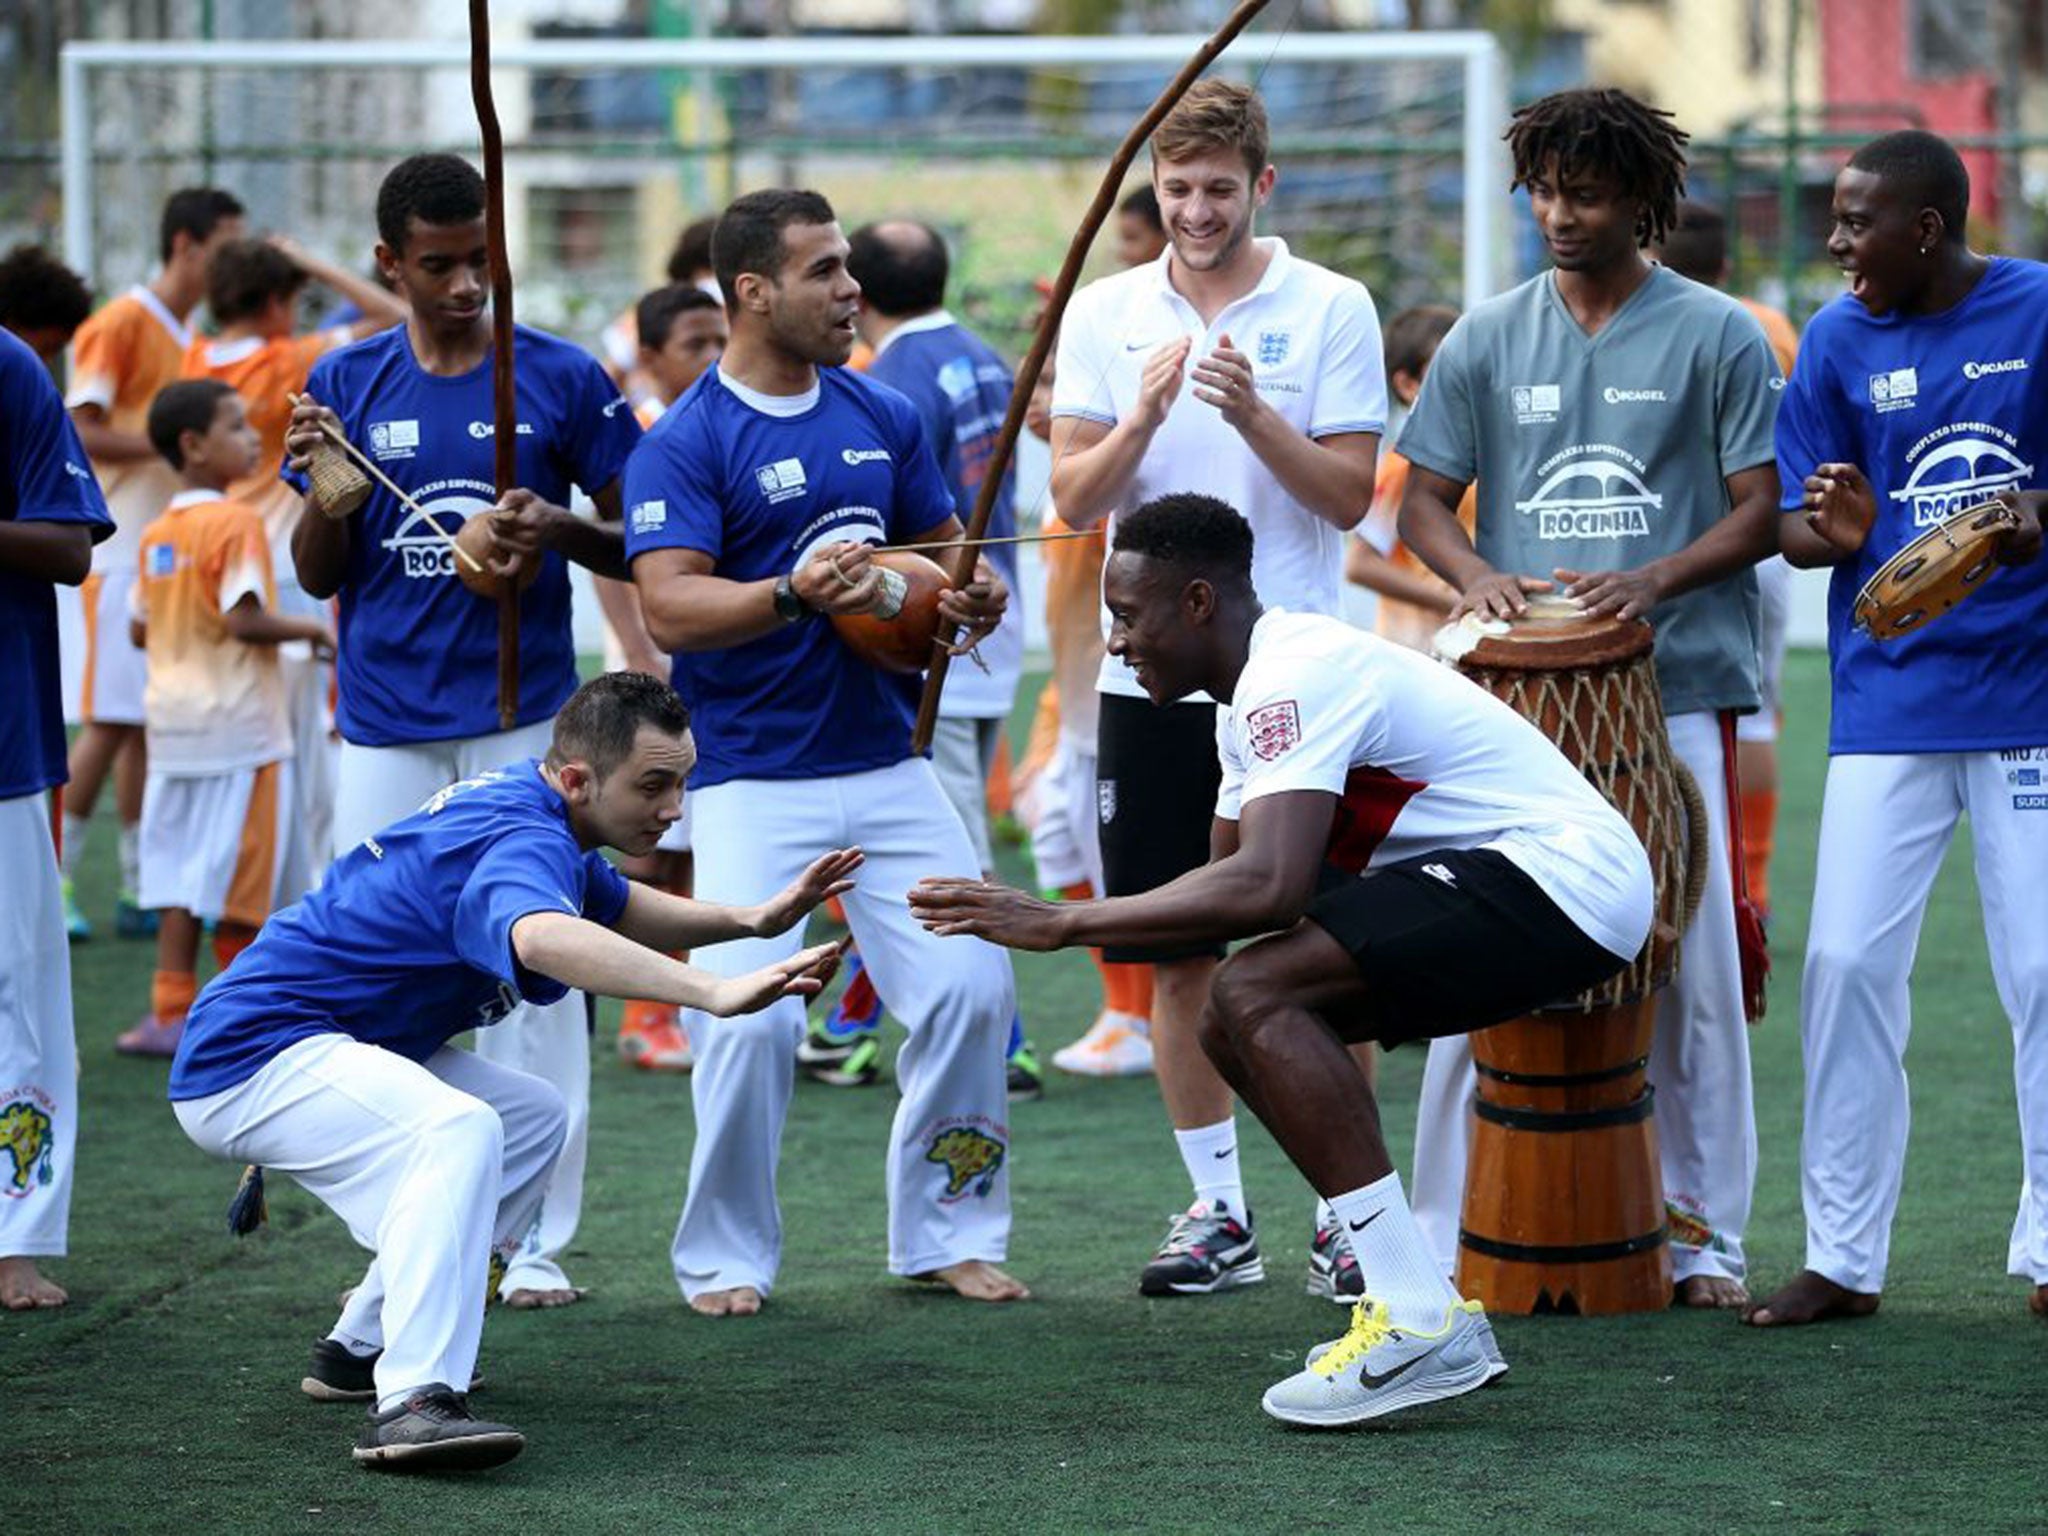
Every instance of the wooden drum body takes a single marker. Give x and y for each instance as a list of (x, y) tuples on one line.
[(1564, 1204)]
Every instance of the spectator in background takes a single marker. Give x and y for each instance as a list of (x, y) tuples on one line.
[(961, 389), (127, 351), (41, 300), (1140, 232), (1413, 601), (1697, 247), (683, 332), (253, 289)]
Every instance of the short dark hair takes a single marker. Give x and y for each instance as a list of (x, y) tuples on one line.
[(1144, 203), (692, 253), (599, 723), (749, 234), (1203, 536), (195, 211), (1605, 133), (186, 406), (1696, 245), (435, 189), (245, 275), (657, 312), (898, 275), (36, 289), (1924, 169), (1413, 335)]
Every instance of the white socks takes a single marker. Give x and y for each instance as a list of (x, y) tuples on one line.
[(1392, 1256), (1209, 1153), (74, 844), (131, 860)]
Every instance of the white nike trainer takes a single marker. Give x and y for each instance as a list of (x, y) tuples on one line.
[(1378, 1368)]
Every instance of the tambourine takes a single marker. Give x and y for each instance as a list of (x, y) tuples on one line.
[(1934, 572)]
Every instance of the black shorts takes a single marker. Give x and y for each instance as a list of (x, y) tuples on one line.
[(1452, 942), (1156, 778)]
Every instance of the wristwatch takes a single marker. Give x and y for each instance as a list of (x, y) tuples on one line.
[(789, 605)]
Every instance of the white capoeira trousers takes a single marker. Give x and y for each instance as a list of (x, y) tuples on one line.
[(376, 786), (1699, 1066), (434, 1166), (38, 1056), (1885, 823), (948, 1172)]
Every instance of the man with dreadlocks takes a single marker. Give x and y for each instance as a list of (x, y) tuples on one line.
[(1617, 420)]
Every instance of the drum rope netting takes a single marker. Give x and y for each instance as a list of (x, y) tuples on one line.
[(1609, 722)]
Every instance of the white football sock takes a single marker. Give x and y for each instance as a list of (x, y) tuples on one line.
[(74, 844), (1392, 1256), (131, 860), (1209, 1153)]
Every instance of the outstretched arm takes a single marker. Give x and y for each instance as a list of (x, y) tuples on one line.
[(580, 953), (1263, 885), (662, 921)]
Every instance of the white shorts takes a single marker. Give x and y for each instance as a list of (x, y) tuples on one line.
[(1774, 587), (211, 842), (1066, 842), (677, 838), (115, 672)]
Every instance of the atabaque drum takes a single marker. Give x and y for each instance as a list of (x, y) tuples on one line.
[(1564, 1204)]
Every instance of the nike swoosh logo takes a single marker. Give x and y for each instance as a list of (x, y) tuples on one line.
[(1360, 1226), (1372, 1383), (1228, 1152), (1142, 346)]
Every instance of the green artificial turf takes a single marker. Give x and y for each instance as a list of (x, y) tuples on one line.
[(165, 1398)]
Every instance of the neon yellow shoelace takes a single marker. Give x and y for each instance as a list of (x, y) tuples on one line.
[(1371, 1326)]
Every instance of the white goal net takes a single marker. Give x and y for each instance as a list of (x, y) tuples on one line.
[(1387, 143)]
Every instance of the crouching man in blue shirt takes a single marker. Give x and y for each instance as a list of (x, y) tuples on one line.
[(323, 1051)]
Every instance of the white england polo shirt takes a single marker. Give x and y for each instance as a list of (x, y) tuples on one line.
[(1314, 342)]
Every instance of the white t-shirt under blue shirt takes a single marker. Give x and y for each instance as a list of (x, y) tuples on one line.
[(417, 652), (1940, 412), (756, 482), (408, 941)]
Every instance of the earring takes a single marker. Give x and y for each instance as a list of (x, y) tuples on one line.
[(1926, 250)]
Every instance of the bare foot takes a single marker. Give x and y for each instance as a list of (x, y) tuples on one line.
[(977, 1280), (1710, 1291), (740, 1301), (23, 1287), (2037, 1303), (523, 1300), (1810, 1298)]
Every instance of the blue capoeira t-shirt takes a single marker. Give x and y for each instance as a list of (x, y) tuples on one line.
[(408, 941), (757, 492), (417, 652), (44, 478), (1940, 412)]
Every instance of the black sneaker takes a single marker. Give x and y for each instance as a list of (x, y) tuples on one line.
[(434, 1430), (1333, 1270), (1026, 1079), (1206, 1249), (855, 1063), (339, 1376)]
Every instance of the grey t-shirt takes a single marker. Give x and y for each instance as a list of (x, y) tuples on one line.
[(1605, 452)]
